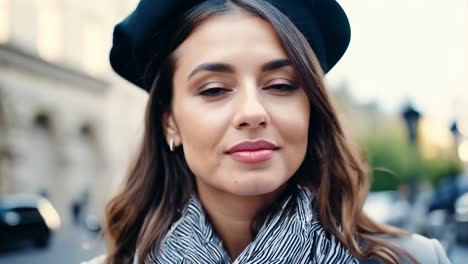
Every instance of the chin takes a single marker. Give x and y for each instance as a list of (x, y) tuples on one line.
[(256, 186)]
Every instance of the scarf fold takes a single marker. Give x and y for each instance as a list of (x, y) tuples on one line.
[(298, 238)]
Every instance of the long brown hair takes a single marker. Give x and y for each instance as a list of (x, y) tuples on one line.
[(160, 182)]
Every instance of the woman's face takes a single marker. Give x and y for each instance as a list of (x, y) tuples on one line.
[(233, 84)]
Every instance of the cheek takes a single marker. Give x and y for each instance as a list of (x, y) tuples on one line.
[(201, 133), (292, 122)]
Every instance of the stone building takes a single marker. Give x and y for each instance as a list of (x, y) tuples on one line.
[(68, 124)]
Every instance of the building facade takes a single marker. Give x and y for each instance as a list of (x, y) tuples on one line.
[(68, 125)]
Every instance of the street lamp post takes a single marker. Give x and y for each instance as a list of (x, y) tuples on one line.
[(455, 132), (411, 117)]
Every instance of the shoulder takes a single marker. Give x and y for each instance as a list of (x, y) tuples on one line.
[(425, 250), (96, 260)]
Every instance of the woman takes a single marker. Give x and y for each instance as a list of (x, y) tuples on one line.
[(243, 159)]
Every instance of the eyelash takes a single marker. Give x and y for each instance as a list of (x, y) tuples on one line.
[(215, 91)]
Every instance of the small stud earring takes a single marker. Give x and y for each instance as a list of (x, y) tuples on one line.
[(171, 144)]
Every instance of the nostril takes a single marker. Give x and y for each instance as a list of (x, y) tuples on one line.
[(262, 123), (252, 122), (252, 125)]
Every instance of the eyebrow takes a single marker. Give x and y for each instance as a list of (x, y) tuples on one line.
[(227, 68)]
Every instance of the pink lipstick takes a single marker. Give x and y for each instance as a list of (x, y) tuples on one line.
[(252, 152)]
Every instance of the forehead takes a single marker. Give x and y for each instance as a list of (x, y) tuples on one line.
[(230, 38)]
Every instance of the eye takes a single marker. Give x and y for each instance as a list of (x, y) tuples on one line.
[(282, 87), (216, 91)]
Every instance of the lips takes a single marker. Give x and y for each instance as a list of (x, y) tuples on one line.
[(252, 152), (252, 146)]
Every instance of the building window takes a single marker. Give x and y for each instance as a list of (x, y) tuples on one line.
[(4, 20), (50, 30), (86, 131), (42, 122)]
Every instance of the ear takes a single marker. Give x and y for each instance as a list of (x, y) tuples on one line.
[(171, 131)]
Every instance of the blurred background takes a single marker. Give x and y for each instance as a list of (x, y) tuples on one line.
[(69, 126)]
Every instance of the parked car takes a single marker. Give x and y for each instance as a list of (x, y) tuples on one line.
[(27, 217), (387, 207)]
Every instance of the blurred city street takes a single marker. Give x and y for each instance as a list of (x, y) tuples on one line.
[(69, 245)]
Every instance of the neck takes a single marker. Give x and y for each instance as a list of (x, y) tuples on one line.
[(231, 215)]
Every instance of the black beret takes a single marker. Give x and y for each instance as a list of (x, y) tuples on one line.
[(140, 40)]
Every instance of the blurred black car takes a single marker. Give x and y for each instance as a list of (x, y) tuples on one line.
[(27, 217), (446, 194)]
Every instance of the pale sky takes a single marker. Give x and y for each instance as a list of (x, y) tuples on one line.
[(408, 49)]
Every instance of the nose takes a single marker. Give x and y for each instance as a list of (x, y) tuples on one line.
[(250, 112)]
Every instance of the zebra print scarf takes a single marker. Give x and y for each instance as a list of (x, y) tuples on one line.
[(292, 239)]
